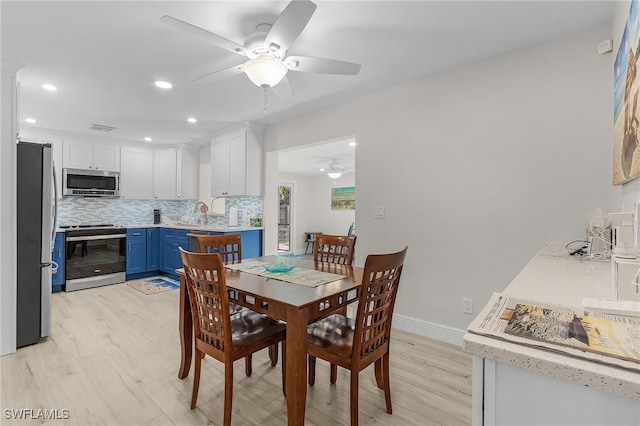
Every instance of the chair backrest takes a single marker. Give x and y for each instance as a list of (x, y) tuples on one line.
[(229, 246), (376, 302), (334, 248), (207, 287)]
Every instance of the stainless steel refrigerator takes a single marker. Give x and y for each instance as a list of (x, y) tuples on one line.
[(36, 226)]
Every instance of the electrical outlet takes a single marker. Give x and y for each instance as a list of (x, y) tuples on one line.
[(467, 306)]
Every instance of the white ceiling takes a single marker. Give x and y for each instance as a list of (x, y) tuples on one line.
[(105, 56)]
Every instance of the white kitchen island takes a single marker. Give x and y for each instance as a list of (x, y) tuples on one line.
[(515, 384)]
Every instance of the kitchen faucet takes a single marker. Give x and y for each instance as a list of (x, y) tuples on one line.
[(205, 219)]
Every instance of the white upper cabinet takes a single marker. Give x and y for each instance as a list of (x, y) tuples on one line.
[(236, 162), (188, 173), (136, 174), (90, 156), (159, 173), (165, 174)]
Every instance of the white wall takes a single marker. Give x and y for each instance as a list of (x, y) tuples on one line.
[(8, 235), (477, 167), (312, 207)]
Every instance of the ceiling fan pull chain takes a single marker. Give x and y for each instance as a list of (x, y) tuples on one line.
[(266, 105)]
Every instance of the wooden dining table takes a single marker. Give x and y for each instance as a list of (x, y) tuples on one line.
[(296, 304)]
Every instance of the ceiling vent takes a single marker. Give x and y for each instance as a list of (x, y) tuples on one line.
[(101, 128)]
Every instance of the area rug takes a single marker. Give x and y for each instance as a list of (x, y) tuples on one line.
[(154, 285)]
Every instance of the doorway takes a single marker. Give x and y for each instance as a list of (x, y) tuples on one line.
[(285, 222)]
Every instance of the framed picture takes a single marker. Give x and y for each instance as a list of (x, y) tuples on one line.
[(626, 154), (343, 198)]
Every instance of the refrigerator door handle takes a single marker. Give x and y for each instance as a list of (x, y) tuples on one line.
[(55, 204)]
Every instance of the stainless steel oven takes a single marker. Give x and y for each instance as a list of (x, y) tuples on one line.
[(95, 256)]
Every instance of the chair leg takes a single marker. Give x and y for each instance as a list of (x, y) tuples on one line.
[(379, 373), (354, 397), (387, 385), (312, 370), (228, 392), (273, 354), (334, 373), (247, 365), (284, 369), (196, 378)]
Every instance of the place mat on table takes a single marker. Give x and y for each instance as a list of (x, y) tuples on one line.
[(298, 275)]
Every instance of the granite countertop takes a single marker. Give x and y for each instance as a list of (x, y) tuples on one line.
[(555, 277), (199, 227), (190, 227)]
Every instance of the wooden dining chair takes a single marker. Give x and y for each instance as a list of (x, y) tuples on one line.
[(334, 248), (356, 344), (229, 247), (219, 334)]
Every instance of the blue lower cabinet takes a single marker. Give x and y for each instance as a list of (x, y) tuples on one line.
[(58, 256), (251, 243), (171, 241), (136, 250), (153, 249)]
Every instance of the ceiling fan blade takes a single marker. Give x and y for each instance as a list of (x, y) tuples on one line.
[(289, 25), (321, 65), (218, 75), (283, 89), (204, 34)]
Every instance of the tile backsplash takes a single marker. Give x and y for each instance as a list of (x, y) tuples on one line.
[(87, 210)]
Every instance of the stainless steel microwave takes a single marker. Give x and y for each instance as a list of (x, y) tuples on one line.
[(90, 183)]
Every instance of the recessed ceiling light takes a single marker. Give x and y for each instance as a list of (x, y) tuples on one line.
[(148, 139), (322, 170), (49, 87), (163, 84), (30, 120), (352, 144), (192, 120)]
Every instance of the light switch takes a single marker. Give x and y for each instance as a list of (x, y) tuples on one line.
[(378, 212)]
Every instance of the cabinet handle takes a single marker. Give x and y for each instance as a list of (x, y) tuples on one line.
[(129, 247), (136, 234)]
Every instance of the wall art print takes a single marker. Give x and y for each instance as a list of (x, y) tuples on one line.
[(343, 198), (626, 153)]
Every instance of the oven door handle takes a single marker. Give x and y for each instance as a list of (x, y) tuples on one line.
[(96, 237)]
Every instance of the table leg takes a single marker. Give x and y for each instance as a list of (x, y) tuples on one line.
[(185, 328), (296, 372)]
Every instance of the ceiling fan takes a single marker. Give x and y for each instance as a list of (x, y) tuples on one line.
[(336, 169), (266, 50)]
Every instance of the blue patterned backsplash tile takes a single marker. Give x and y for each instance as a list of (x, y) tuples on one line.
[(85, 211)]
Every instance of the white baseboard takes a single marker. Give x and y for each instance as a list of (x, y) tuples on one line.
[(428, 329)]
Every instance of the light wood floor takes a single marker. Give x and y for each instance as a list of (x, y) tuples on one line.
[(114, 354)]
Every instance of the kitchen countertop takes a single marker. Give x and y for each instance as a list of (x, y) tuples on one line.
[(554, 276), (198, 227), (194, 227)]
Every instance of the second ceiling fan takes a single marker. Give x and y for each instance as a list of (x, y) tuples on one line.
[(267, 62)]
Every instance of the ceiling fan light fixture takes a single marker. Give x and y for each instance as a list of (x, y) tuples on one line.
[(264, 70), (335, 170)]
